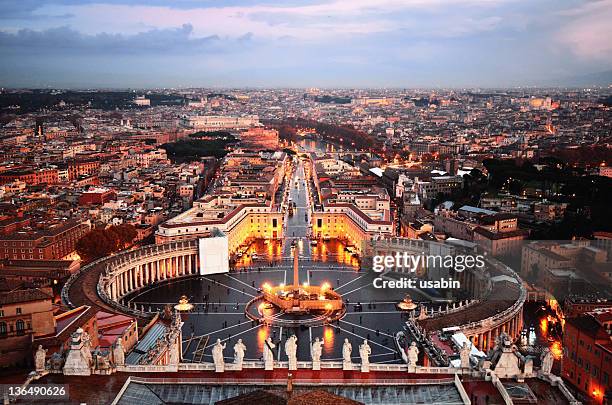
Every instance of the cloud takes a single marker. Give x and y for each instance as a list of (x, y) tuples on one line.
[(311, 21), (65, 40), (588, 30)]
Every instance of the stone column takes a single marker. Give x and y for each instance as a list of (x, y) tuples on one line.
[(489, 340)]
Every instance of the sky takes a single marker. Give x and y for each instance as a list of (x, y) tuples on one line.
[(299, 43)]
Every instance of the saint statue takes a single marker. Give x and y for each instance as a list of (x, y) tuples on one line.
[(217, 354), (239, 350), (268, 354), (413, 354), (364, 353), (464, 355), (347, 349), (547, 361), (317, 350), (291, 351), (39, 358)]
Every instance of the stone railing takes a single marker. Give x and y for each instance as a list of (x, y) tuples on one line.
[(66, 288)]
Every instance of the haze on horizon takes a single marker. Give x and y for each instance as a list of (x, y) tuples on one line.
[(300, 43)]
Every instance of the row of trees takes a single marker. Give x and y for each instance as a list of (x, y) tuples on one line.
[(101, 242)]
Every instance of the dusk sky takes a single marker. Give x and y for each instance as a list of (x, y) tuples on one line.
[(325, 43)]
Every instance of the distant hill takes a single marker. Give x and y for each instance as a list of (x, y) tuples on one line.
[(592, 79)]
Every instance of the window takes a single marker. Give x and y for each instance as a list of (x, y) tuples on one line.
[(20, 324), (3, 329), (18, 310)]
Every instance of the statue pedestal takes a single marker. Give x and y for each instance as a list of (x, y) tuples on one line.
[(269, 365), (219, 368), (316, 365), (347, 365), (365, 367), (292, 365), (238, 366)]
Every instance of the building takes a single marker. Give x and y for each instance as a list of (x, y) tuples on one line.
[(216, 122), (587, 364), (259, 139), (243, 205), (142, 101), (499, 234), (97, 196), (548, 211), (30, 176), (445, 185), (25, 313), (50, 240)]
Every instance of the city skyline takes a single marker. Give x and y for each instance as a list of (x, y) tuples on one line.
[(405, 44)]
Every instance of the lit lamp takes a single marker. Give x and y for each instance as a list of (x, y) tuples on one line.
[(183, 304), (407, 304)]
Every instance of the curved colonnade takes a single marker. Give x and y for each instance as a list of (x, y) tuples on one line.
[(499, 300)]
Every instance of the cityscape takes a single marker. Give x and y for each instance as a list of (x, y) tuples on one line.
[(237, 242)]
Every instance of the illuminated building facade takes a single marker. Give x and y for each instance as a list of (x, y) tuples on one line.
[(243, 205), (587, 363)]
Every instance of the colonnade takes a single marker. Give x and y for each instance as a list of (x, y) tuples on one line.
[(486, 339), (137, 269)]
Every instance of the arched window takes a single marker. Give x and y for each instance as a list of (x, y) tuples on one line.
[(20, 325)]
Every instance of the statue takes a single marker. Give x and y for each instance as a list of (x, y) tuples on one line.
[(364, 353), (547, 361), (87, 347), (78, 359), (291, 350), (315, 352), (39, 359), (217, 354), (56, 362), (118, 353), (268, 354), (102, 363), (464, 354), (239, 350), (413, 354), (347, 350)]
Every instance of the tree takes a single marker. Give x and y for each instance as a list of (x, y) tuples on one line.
[(124, 234), (96, 243), (102, 242)]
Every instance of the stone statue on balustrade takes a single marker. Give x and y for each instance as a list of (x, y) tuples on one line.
[(268, 354), (413, 354), (364, 353), (217, 354), (78, 358), (347, 350), (464, 355), (101, 363), (40, 358), (87, 347), (547, 361), (291, 351), (316, 351), (56, 362), (239, 350), (118, 353)]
